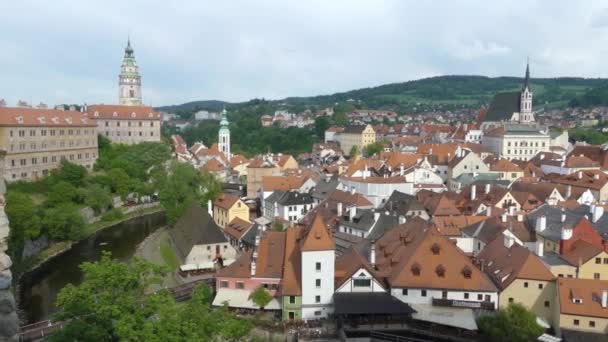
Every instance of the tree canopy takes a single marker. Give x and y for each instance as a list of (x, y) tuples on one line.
[(514, 323), (260, 297), (113, 303)]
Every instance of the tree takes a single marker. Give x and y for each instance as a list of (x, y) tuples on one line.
[(63, 222), (321, 125), (62, 192), (69, 172), (278, 226), (96, 197), (354, 151), (24, 220), (112, 303), (374, 148), (513, 323), (340, 119), (260, 297)]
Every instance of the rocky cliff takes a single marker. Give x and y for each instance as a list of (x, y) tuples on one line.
[(9, 321)]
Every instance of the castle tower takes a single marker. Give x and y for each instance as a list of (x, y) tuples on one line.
[(525, 102), (224, 136), (129, 80)]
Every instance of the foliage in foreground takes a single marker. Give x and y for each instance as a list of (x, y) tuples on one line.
[(112, 304), (514, 323)]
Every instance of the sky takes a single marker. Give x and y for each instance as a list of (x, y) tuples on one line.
[(64, 51)]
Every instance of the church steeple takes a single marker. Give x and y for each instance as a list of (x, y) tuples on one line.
[(129, 80), (525, 105), (527, 77)]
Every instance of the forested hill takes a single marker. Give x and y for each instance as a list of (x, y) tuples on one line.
[(435, 93)]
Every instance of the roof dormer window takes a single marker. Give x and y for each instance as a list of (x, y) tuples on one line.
[(42, 119), (577, 300), (114, 114), (467, 272), (435, 248), (416, 269), (96, 114), (440, 270), (19, 119), (55, 119), (133, 114), (150, 115)]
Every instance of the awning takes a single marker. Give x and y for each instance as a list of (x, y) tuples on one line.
[(542, 323), (188, 267), (369, 303), (240, 299), (453, 317)]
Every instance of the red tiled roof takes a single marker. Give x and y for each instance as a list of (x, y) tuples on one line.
[(34, 117), (116, 112)]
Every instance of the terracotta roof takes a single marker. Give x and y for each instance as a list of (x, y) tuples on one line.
[(417, 257), (378, 180), (214, 165), (503, 165), (292, 272), (438, 204), (318, 237), (271, 254), (225, 201), (283, 183), (589, 291), (240, 268), (590, 179), (405, 160), (580, 252), (503, 265), (360, 165), (237, 228), (349, 198), (580, 161), (34, 117), (593, 152), (349, 263), (237, 160), (452, 225), (115, 112)]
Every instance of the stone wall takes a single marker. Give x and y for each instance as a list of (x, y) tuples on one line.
[(9, 321)]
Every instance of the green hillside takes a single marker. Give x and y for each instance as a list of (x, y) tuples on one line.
[(435, 93)]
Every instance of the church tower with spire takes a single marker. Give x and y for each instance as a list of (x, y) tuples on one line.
[(224, 135), (525, 101), (129, 80)]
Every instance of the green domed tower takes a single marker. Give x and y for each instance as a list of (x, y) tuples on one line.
[(224, 135), (129, 80)]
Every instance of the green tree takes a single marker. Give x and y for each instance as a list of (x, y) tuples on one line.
[(374, 148), (62, 192), (70, 172), (321, 125), (514, 323), (97, 197), (340, 119), (24, 219), (63, 222), (354, 151), (112, 303), (121, 183), (260, 297)]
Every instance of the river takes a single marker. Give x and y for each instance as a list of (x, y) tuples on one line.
[(39, 288)]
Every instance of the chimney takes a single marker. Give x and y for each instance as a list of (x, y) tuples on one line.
[(568, 191), (401, 219), (339, 209), (276, 209), (567, 233), (580, 174), (604, 298), (520, 218), (504, 218), (473, 192), (597, 213), (376, 216), (540, 249), (351, 213), (210, 208), (488, 188), (596, 176), (508, 240), (489, 211), (541, 223), (563, 216), (372, 254), (352, 190)]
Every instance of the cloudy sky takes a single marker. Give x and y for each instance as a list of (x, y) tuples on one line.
[(64, 51)]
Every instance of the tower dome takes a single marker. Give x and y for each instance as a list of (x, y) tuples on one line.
[(129, 80)]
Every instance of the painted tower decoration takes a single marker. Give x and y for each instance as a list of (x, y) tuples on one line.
[(224, 135), (129, 80)]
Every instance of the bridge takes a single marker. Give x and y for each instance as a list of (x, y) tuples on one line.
[(40, 330)]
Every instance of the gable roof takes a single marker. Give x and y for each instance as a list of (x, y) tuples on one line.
[(318, 238), (503, 106), (29, 117), (225, 201), (589, 291), (349, 263), (120, 112), (292, 272), (195, 227), (349, 198), (503, 265), (580, 252), (237, 228)]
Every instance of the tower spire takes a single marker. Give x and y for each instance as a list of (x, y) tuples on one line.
[(129, 80), (527, 77)]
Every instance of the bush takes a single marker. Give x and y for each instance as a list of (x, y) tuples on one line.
[(112, 215)]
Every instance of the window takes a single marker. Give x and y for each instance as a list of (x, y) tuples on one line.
[(318, 282), (362, 282), (292, 299), (510, 300), (317, 313), (404, 292), (605, 260), (598, 260), (435, 248), (416, 269), (317, 299), (576, 322), (596, 276), (240, 285), (423, 293), (444, 294), (440, 270), (318, 266), (487, 298), (466, 295), (479, 297), (547, 304), (540, 286), (223, 284), (591, 324), (526, 284)]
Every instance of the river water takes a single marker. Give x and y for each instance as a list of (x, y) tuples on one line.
[(39, 288)]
